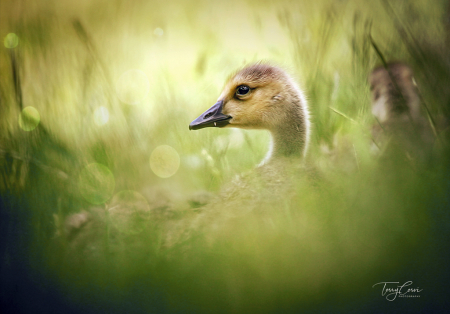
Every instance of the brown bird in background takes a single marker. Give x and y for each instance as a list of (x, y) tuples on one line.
[(401, 127)]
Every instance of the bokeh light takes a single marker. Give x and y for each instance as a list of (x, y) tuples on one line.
[(96, 183), (11, 40), (193, 161), (101, 116), (29, 118), (132, 87), (164, 161), (158, 32), (234, 140), (129, 212), (237, 138)]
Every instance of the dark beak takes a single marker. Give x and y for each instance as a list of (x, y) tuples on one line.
[(213, 117)]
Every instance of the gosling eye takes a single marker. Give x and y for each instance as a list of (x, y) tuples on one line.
[(242, 90)]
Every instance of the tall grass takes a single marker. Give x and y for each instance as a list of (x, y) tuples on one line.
[(364, 220)]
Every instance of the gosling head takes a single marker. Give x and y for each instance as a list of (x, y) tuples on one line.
[(257, 97), (262, 96)]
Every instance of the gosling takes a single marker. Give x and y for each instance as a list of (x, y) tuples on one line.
[(396, 105), (259, 96)]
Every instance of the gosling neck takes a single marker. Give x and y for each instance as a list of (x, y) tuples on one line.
[(290, 138)]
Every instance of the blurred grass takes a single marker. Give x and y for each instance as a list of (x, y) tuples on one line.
[(367, 221)]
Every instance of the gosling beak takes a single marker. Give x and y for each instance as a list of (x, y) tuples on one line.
[(213, 117)]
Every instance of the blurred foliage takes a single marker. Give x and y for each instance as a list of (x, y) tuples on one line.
[(366, 220)]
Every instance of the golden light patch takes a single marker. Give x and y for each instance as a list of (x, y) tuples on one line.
[(132, 87), (96, 183), (29, 119), (11, 40), (129, 212), (164, 161)]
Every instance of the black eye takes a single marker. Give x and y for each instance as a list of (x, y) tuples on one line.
[(242, 90)]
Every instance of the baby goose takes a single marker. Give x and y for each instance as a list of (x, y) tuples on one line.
[(262, 96), (259, 96), (394, 94), (396, 105)]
